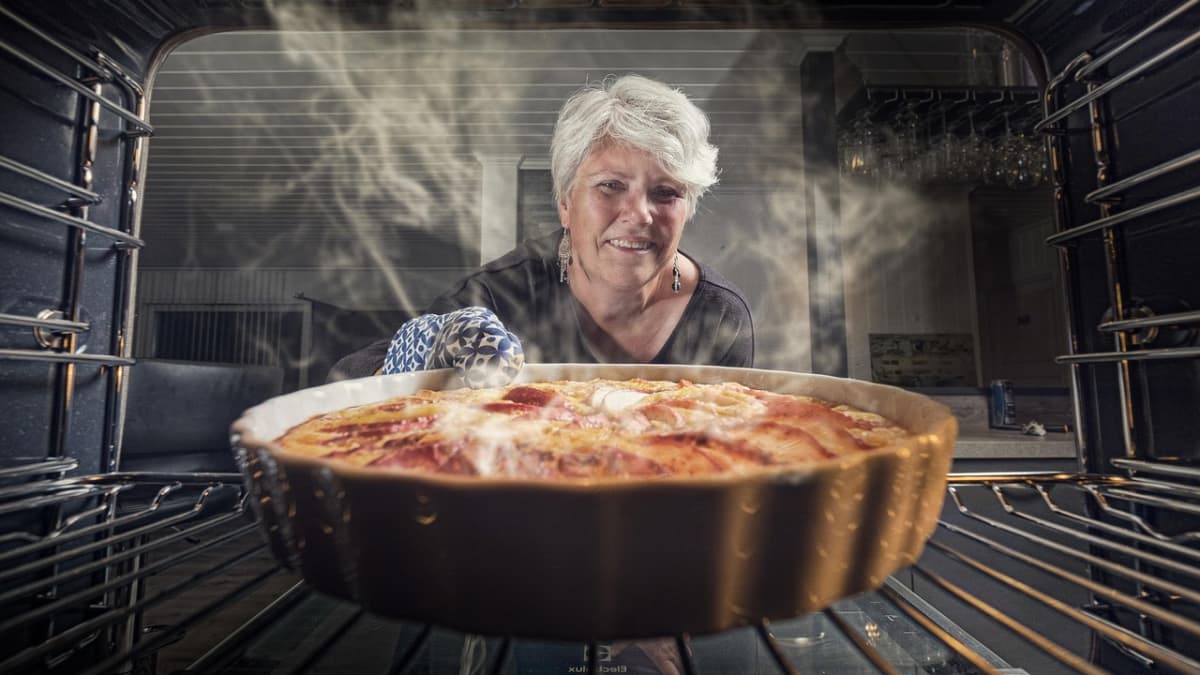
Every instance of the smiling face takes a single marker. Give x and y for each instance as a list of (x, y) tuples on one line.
[(626, 215)]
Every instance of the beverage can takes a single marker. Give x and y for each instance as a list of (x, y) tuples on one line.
[(1003, 409)]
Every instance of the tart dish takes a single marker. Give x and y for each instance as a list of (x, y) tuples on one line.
[(609, 547)]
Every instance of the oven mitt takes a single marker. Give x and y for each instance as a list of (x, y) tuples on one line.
[(472, 340)]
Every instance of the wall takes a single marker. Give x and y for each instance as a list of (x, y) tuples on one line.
[(1021, 307), (741, 231), (907, 267)]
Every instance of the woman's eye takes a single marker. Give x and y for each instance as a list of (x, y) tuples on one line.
[(666, 194), (610, 185)]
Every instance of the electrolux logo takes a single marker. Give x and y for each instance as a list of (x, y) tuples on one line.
[(603, 654)]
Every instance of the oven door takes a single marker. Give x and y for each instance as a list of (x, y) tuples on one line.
[(1086, 568)]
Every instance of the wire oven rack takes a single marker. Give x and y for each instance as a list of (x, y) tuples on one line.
[(108, 575), (84, 560)]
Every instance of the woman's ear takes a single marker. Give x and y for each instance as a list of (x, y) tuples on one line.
[(563, 209)]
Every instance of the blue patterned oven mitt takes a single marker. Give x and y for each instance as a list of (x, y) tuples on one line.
[(472, 340)]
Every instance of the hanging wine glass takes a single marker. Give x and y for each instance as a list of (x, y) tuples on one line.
[(906, 145), (943, 152), (996, 170), (1023, 162), (972, 154), (928, 159), (1039, 158), (862, 160), (845, 153)]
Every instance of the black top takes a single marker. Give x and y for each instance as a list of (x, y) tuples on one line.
[(522, 288)]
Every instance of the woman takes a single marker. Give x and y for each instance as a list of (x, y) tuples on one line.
[(630, 159)]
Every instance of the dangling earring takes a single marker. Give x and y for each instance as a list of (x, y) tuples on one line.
[(675, 285), (564, 255)]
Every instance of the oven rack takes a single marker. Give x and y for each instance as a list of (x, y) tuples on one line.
[(1090, 71), (92, 567), (37, 198), (1035, 523)]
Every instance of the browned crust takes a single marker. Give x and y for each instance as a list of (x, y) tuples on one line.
[(568, 429)]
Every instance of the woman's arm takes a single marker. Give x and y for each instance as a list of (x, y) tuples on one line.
[(741, 350), (362, 363)]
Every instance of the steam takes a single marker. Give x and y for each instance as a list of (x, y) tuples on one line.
[(404, 170), (393, 138)]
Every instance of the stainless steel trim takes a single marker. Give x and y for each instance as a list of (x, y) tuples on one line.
[(27, 589), (1100, 590), (1162, 468), (1062, 217), (1099, 61), (1116, 273), (954, 629), (59, 357), (1104, 89), (1003, 618), (1124, 216), (1050, 544), (42, 500), (46, 179), (158, 477), (56, 325), (164, 638), (1110, 630), (870, 653), (125, 290), (1148, 534), (938, 632), (57, 465), (68, 220), (1151, 500), (40, 67), (1153, 172), (1178, 318), (61, 536), (1152, 485), (95, 66), (988, 478), (43, 488), (217, 657), (73, 599), (1139, 355)]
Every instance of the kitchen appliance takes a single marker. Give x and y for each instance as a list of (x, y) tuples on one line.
[(101, 569)]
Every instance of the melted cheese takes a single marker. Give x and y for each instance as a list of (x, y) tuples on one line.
[(601, 428)]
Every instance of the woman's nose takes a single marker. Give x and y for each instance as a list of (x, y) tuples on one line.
[(637, 208)]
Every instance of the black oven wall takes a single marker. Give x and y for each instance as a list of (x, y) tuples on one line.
[(50, 266), (1147, 264)]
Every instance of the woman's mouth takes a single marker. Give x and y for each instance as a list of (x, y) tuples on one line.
[(631, 244)]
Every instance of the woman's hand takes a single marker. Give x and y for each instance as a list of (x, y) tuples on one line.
[(472, 340)]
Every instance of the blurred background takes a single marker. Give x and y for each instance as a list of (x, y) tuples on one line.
[(880, 202)]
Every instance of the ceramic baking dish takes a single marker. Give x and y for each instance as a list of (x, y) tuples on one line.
[(600, 559)]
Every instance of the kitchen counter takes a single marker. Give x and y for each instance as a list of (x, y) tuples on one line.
[(1003, 444)]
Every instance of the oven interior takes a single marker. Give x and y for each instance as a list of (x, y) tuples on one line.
[(127, 544)]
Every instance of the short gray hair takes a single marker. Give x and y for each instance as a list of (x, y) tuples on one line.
[(641, 113)]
